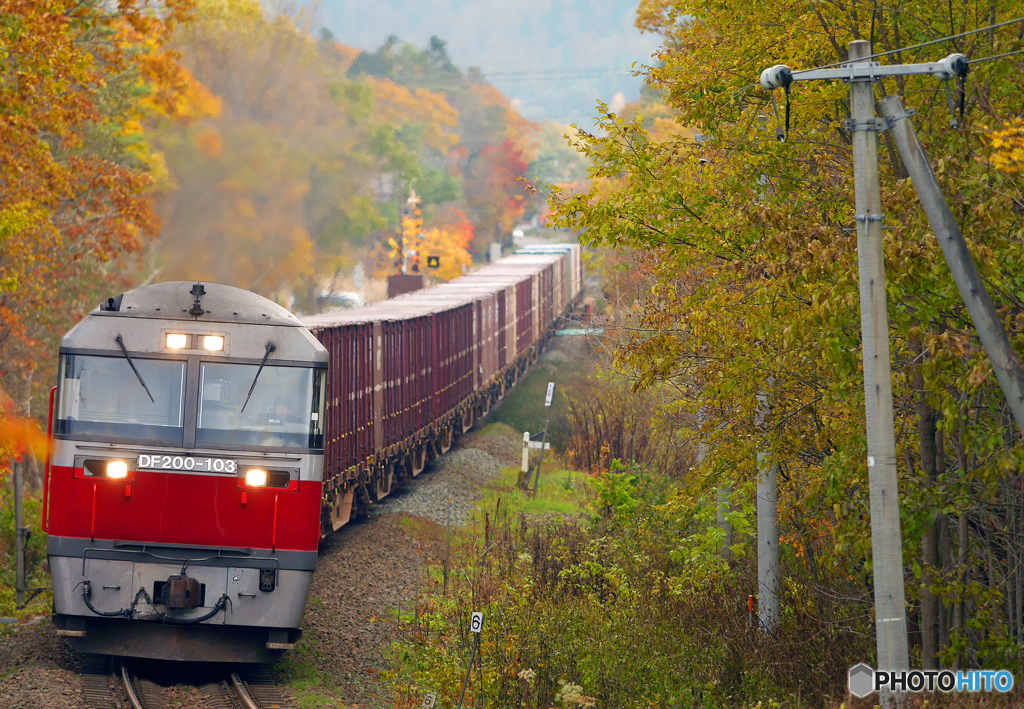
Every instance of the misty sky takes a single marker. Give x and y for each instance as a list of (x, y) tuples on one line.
[(572, 51)]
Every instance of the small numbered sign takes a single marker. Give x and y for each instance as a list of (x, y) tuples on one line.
[(477, 622), (429, 701), (551, 394)]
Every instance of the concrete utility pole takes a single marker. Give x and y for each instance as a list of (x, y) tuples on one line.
[(860, 72), (983, 313), (886, 540), (767, 531), (887, 553)]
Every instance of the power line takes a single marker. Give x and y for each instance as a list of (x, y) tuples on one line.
[(922, 44), (997, 56), (565, 77), (550, 71)]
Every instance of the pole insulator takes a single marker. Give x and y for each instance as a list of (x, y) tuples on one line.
[(776, 77)]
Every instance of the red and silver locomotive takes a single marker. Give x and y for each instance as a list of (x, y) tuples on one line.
[(200, 449), (184, 484)]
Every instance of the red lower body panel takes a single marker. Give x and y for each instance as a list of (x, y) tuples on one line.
[(179, 508)]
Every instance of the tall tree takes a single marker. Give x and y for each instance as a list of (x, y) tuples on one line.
[(752, 277), (76, 80)]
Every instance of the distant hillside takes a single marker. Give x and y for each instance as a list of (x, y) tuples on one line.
[(556, 58)]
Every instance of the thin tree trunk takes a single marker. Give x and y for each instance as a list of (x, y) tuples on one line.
[(958, 616), (946, 563)]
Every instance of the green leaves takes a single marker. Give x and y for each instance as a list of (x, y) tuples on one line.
[(755, 240)]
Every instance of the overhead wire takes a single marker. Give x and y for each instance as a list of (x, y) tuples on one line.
[(997, 56), (561, 77), (522, 72)]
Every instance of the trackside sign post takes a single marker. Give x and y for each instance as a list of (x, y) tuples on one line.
[(476, 626), (548, 398)]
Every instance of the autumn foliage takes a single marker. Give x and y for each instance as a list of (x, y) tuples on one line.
[(739, 303), (77, 80), (149, 140)]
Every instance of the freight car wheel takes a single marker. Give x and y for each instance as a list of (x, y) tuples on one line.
[(467, 419)]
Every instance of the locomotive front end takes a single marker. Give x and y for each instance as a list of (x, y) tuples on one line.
[(185, 478)]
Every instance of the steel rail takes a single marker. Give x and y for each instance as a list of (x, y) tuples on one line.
[(242, 693), (136, 704)]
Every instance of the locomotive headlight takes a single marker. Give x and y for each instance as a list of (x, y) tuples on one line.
[(255, 477), (176, 341), (117, 469), (213, 343)]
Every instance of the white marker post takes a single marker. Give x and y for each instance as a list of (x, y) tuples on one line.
[(527, 445), (476, 625)]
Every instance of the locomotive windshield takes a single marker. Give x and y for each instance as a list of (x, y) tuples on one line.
[(284, 410), (102, 396)]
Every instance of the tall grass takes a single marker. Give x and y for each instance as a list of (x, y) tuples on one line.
[(601, 611)]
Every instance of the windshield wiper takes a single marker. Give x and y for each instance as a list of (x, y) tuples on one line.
[(270, 348), (142, 381)]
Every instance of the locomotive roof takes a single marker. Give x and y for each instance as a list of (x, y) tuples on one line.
[(220, 304)]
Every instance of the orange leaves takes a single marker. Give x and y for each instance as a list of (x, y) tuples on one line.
[(210, 143), (74, 205), (400, 106), (495, 192), (518, 130), (456, 223), (18, 435)]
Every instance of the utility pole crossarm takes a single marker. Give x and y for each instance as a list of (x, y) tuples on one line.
[(780, 75)]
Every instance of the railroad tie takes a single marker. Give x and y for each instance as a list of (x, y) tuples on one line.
[(97, 683), (262, 688), (217, 695)]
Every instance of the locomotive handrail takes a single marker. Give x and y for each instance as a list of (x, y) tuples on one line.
[(232, 551), (177, 559), (46, 474)]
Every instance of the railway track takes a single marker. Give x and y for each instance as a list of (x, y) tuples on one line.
[(110, 683)]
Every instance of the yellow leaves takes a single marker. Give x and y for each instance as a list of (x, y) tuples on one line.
[(194, 101), (398, 105), (447, 245), (1008, 147)]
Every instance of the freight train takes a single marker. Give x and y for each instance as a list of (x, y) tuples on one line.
[(203, 440)]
